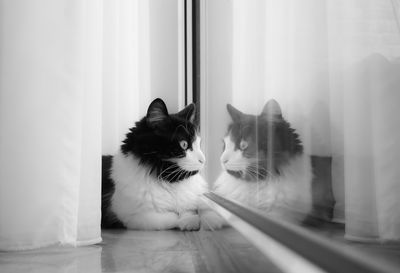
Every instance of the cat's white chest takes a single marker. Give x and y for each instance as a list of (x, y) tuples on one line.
[(180, 196), (260, 194), (137, 191), (291, 191)]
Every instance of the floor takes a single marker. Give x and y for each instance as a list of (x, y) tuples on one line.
[(146, 251), (385, 253), (166, 251)]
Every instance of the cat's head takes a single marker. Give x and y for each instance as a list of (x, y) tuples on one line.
[(257, 147), (168, 143)]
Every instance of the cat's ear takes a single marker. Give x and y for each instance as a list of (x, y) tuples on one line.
[(188, 113), (235, 114), (272, 109), (156, 113)]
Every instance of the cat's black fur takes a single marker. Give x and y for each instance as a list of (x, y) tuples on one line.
[(108, 219), (154, 139), (270, 139)]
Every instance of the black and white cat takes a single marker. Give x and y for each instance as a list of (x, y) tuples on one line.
[(264, 165), (153, 182)]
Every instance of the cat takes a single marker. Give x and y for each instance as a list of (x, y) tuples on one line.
[(153, 182), (264, 166)]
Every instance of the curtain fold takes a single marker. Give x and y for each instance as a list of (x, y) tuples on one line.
[(334, 68), (70, 72), (50, 103), (126, 70), (74, 76), (364, 41)]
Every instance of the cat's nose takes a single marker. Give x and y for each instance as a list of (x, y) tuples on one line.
[(201, 158), (224, 161)]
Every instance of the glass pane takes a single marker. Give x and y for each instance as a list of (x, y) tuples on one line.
[(301, 117)]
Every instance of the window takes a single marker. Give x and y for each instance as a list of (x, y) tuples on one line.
[(332, 68)]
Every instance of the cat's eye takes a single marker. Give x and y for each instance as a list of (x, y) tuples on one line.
[(243, 145), (184, 144)]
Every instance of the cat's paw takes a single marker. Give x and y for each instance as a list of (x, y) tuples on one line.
[(189, 222), (212, 221)]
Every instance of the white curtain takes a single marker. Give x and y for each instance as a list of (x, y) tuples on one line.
[(64, 67), (142, 44), (334, 67), (126, 68)]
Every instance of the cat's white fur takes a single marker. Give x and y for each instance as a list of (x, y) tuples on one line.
[(141, 201), (287, 196)]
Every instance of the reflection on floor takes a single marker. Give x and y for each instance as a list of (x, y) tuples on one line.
[(146, 251), (175, 251), (385, 253), (166, 251)]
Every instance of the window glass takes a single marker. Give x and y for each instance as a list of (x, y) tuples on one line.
[(300, 116)]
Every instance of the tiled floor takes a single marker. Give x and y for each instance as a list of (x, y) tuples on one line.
[(166, 251)]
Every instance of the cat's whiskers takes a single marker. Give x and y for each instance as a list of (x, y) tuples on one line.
[(173, 165), (169, 175), (187, 175), (183, 174), (252, 173), (176, 174), (257, 169)]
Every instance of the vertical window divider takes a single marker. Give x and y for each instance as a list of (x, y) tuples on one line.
[(189, 50)]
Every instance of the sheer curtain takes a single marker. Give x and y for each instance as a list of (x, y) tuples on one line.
[(126, 68), (334, 68), (64, 67), (142, 49)]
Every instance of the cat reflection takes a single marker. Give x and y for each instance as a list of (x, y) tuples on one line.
[(264, 165)]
